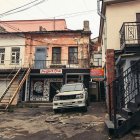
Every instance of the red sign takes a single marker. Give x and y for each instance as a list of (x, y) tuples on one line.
[(51, 71), (97, 73)]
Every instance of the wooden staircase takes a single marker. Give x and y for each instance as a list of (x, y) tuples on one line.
[(10, 95), (124, 102)]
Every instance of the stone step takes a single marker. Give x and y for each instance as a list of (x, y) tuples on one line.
[(126, 112), (38, 104), (136, 132), (120, 119), (110, 126)]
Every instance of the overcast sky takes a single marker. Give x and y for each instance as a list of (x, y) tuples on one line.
[(55, 8)]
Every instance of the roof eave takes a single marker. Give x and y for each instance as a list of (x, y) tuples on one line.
[(116, 1)]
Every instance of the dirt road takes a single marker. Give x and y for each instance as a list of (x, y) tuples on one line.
[(43, 124)]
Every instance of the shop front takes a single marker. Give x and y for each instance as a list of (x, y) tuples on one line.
[(43, 85), (45, 82)]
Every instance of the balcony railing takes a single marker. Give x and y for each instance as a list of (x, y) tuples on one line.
[(41, 64), (130, 34)]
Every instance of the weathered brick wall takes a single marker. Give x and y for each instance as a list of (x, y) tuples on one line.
[(110, 76), (56, 40), (110, 65)]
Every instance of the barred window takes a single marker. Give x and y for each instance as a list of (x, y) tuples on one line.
[(2, 55), (15, 56), (73, 55)]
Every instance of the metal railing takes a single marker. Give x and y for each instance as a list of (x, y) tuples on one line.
[(130, 33), (24, 75), (123, 90), (40, 64)]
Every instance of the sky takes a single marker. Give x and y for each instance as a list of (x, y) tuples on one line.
[(73, 11)]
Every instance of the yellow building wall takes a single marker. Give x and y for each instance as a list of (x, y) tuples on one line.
[(116, 14)]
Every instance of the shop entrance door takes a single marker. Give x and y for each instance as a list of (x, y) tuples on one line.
[(54, 86), (40, 58)]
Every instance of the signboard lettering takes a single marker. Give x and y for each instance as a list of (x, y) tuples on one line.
[(51, 71)]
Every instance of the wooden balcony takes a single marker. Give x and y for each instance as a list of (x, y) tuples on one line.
[(130, 37)]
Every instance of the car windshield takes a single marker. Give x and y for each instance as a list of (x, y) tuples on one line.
[(75, 87)]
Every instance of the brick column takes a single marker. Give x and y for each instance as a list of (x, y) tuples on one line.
[(110, 65), (110, 76)]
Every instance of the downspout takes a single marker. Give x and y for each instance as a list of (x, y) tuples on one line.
[(31, 62), (105, 24), (99, 11), (105, 36)]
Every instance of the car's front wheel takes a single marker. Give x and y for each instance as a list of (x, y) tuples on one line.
[(84, 109), (56, 111)]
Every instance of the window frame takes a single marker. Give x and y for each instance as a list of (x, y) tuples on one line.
[(56, 56), (72, 53), (2, 55), (15, 55)]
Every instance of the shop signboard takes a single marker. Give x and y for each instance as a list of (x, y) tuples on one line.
[(51, 71), (97, 74)]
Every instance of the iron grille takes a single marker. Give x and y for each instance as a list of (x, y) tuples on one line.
[(67, 97)]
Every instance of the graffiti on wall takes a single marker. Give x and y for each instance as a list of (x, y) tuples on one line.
[(40, 88)]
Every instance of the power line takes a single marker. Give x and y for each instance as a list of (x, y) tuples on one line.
[(74, 14), (41, 10), (22, 36), (85, 4), (15, 29), (30, 5)]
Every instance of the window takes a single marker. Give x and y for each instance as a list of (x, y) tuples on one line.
[(2, 55), (56, 55), (73, 55), (97, 60), (15, 56)]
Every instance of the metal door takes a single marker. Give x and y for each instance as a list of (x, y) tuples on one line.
[(40, 58)]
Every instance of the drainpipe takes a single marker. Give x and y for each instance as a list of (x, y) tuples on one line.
[(30, 59), (105, 34), (105, 24), (99, 11)]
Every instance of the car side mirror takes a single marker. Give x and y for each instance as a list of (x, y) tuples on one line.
[(85, 89), (57, 91)]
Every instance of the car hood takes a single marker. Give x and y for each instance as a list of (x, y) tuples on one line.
[(69, 93)]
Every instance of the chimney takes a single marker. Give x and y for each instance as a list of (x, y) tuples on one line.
[(86, 25), (40, 28)]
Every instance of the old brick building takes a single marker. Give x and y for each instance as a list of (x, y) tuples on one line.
[(54, 54)]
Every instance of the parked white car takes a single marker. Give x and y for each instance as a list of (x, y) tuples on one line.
[(71, 96)]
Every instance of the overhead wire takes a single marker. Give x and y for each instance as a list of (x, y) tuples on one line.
[(16, 29), (74, 14), (23, 36), (15, 10), (41, 10), (84, 4)]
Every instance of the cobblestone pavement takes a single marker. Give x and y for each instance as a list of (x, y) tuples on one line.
[(43, 124)]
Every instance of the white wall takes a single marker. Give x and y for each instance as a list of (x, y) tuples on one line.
[(9, 41)]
